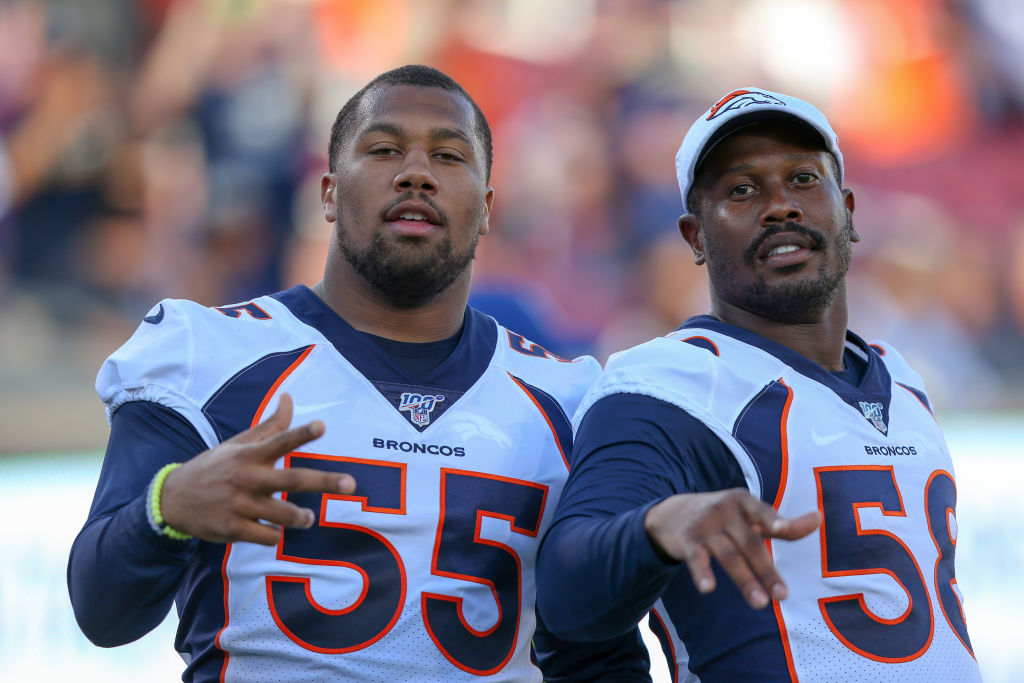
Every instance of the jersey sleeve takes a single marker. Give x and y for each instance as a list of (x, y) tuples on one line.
[(598, 573), (902, 373), (566, 381), (161, 363), (122, 576)]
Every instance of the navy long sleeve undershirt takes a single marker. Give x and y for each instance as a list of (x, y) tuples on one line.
[(139, 570), (597, 572)]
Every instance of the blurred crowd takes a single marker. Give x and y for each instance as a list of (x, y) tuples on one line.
[(154, 148)]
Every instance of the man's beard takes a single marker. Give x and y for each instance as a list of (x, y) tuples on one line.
[(407, 275), (793, 302)]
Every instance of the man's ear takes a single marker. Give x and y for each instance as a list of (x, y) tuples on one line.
[(328, 188), (692, 231), (851, 204), (485, 224)]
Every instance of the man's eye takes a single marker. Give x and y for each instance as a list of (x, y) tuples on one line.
[(741, 190), (384, 151), (804, 178), (447, 156)]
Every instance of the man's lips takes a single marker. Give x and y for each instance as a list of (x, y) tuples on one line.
[(784, 257), (413, 218), (785, 245), (413, 210), (784, 248)]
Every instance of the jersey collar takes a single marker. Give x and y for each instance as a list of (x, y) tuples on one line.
[(871, 396), (461, 370)]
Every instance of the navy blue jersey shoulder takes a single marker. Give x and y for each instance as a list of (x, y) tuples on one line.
[(234, 405), (560, 422)]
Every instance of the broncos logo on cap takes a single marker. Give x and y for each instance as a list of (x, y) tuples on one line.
[(738, 99)]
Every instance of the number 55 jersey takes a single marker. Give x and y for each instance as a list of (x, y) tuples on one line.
[(426, 571)]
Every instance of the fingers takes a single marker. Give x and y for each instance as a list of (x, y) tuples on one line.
[(795, 527), (742, 554), (283, 443), (277, 422), (279, 512), (274, 511), (751, 568), (226, 494), (698, 561), (250, 515), (255, 532), (304, 479), (731, 527), (755, 585), (272, 439)]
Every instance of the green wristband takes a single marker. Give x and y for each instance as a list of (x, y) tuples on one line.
[(153, 513)]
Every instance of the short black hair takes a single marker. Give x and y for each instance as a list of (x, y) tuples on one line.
[(411, 74)]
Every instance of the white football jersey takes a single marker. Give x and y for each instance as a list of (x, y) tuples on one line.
[(425, 572), (873, 594)]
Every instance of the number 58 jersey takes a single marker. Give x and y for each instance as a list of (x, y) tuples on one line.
[(872, 592), (426, 571)]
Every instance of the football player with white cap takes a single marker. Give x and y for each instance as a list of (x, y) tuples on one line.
[(773, 488)]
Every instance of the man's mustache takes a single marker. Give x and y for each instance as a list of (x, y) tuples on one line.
[(818, 240)]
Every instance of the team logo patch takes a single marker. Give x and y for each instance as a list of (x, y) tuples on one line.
[(738, 99), (155, 318), (873, 413), (419, 406)]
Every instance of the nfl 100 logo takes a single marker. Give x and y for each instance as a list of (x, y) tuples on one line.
[(873, 413), (419, 406)]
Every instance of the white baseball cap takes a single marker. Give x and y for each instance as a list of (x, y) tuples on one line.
[(740, 108)]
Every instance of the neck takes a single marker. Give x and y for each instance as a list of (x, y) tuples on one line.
[(367, 311), (820, 338)]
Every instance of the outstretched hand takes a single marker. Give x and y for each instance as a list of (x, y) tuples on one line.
[(730, 526), (225, 494)]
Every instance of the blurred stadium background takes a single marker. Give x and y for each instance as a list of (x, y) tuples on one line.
[(162, 148)]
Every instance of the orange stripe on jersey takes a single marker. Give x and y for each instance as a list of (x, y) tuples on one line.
[(783, 633), (551, 426), (667, 644), (227, 548), (783, 477), (783, 446), (273, 388)]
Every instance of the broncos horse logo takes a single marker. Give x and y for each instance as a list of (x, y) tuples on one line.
[(738, 99)]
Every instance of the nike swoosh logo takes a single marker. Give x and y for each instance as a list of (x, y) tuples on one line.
[(820, 440), (156, 317), (313, 408)]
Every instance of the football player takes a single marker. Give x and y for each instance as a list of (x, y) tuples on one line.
[(772, 485), (389, 532)]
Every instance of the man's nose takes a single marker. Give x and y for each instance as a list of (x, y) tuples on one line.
[(416, 174), (780, 205)]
